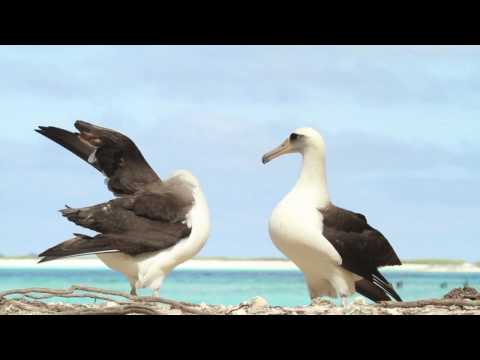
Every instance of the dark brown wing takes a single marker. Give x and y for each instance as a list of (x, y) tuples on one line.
[(363, 249), (78, 245), (110, 152), (166, 207), (131, 224)]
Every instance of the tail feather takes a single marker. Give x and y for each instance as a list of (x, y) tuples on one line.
[(79, 245), (384, 284), (92, 217), (371, 291), (379, 289)]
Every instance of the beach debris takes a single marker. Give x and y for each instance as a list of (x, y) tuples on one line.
[(356, 307), (359, 301), (465, 293), (130, 304), (175, 312), (31, 301), (252, 306), (393, 312), (257, 304), (319, 301), (239, 311)]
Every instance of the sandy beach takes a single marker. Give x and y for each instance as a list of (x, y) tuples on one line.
[(212, 264)]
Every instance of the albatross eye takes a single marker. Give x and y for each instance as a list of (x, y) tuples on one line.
[(293, 137)]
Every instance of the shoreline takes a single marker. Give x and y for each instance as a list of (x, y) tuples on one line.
[(212, 264)]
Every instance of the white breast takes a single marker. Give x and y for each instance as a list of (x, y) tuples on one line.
[(296, 229)]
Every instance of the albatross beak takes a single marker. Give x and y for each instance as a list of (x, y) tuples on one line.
[(284, 148)]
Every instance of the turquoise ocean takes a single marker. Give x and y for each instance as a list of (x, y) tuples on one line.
[(229, 287)]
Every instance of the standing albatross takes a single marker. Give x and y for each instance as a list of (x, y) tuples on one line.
[(336, 249), (150, 227)]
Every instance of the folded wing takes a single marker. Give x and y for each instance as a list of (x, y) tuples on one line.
[(132, 224), (363, 249)]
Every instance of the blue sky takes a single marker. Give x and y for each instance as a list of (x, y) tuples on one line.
[(401, 124)]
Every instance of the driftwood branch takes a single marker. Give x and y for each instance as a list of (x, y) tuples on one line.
[(430, 302), (120, 310), (461, 297), (136, 304)]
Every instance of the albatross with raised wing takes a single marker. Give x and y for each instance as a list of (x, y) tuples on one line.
[(151, 225)]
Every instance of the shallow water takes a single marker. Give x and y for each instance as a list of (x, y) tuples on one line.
[(229, 287)]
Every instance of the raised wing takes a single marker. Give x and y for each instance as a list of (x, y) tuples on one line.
[(110, 152)]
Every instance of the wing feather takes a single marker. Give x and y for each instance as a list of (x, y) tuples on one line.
[(362, 248), (110, 152), (132, 224)]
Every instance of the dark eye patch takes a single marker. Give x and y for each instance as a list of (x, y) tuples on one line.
[(294, 136)]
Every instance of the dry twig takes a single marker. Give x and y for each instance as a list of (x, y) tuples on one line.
[(142, 305), (431, 302)]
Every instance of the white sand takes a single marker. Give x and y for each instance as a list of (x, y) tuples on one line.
[(93, 263)]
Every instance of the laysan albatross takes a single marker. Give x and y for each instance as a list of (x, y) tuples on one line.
[(336, 249), (150, 227)]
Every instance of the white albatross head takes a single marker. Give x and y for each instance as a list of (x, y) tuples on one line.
[(301, 140)]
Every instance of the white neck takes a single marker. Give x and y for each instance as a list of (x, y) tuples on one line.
[(313, 180)]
